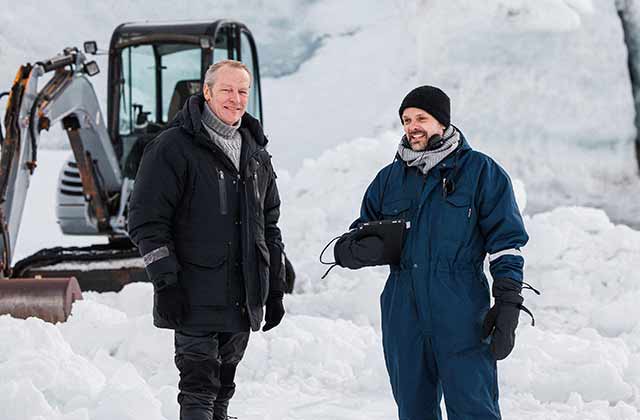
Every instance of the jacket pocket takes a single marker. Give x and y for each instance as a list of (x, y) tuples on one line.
[(396, 209), (205, 278), (222, 192), (263, 270)]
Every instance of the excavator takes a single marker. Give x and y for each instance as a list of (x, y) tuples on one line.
[(153, 69)]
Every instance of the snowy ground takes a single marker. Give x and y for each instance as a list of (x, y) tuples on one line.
[(581, 361), (540, 85)]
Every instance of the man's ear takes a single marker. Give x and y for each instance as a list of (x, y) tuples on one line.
[(206, 92)]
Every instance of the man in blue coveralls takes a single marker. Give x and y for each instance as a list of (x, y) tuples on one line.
[(439, 335)]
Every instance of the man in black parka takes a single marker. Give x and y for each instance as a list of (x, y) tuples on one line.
[(204, 215)]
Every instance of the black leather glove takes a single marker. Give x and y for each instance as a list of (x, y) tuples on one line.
[(275, 310), (358, 253), (172, 303), (502, 319)]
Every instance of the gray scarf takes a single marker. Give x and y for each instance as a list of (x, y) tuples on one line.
[(425, 160), (225, 136)]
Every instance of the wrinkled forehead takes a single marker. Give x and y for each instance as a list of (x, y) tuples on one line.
[(231, 76)]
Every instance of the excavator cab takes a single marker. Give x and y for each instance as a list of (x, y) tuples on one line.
[(153, 69)]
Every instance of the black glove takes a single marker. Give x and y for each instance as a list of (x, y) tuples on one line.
[(502, 319), (275, 310), (276, 269), (358, 253), (290, 276), (172, 303)]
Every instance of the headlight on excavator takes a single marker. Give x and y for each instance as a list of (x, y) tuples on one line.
[(90, 47), (91, 68)]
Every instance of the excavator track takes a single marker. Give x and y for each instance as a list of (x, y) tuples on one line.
[(101, 268)]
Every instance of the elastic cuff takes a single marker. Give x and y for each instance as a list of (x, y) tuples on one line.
[(163, 263)]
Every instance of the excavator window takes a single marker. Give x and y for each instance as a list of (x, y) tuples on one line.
[(179, 69), (139, 87), (150, 75)]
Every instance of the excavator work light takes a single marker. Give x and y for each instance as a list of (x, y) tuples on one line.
[(91, 68), (90, 47)]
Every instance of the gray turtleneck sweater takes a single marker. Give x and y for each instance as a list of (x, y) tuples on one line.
[(223, 135)]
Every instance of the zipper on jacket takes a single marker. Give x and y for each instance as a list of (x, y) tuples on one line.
[(222, 189), (228, 276), (256, 188), (193, 193)]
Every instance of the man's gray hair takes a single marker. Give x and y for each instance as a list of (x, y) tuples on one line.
[(210, 75)]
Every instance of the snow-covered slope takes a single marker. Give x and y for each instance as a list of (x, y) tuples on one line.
[(581, 361), (542, 85)]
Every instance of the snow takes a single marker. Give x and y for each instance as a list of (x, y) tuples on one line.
[(582, 360), (542, 86)]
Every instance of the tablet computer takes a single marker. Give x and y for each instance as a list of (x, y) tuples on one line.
[(392, 234)]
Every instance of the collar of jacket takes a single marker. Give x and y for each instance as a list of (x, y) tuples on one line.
[(190, 119)]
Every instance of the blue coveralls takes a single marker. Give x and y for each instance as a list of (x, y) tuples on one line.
[(434, 302)]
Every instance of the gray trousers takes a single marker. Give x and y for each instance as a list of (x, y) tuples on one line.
[(207, 362)]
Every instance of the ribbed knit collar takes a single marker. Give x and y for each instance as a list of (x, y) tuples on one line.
[(217, 125)]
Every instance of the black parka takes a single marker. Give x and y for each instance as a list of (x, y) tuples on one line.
[(219, 225)]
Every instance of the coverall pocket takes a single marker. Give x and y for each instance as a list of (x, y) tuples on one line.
[(457, 314), (396, 209), (456, 217)]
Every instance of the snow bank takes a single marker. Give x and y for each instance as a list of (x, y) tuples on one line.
[(541, 85), (582, 360), (526, 79)]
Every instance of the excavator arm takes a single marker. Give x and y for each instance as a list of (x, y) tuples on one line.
[(68, 97)]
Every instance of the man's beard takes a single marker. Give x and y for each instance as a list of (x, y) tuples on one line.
[(421, 145)]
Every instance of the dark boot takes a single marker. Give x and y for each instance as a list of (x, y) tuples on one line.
[(231, 351), (220, 411)]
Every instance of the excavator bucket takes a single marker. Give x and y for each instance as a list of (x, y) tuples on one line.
[(49, 299)]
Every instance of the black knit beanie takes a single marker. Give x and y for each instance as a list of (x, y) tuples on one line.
[(430, 99)]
